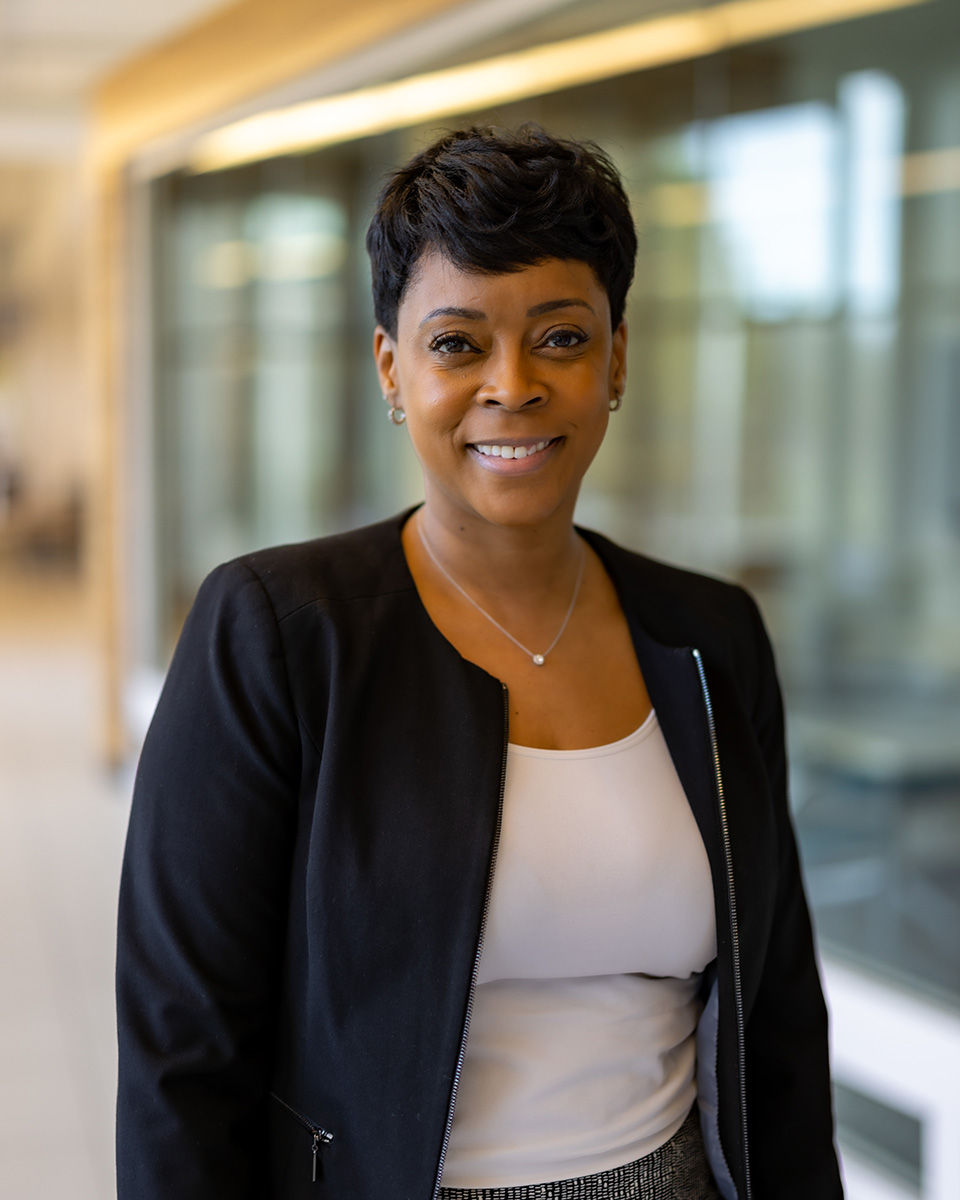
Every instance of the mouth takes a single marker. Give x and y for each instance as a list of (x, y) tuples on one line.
[(514, 456), (513, 449)]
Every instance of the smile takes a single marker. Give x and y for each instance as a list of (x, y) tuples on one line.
[(506, 450)]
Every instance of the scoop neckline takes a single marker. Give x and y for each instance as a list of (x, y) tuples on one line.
[(647, 726)]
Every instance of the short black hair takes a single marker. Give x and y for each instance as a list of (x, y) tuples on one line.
[(494, 201)]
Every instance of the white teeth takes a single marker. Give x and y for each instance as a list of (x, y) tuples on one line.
[(500, 451)]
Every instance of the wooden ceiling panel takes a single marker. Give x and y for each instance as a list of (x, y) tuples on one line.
[(240, 51)]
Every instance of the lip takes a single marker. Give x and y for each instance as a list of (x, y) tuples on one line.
[(514, 466)]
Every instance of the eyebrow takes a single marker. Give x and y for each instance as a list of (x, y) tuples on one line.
[(468, 314), (538, 310), (548, 306)]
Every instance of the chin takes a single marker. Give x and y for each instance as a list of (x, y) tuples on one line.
[(517, 512)]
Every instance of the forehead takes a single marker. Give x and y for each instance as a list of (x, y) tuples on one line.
[(438, 283)]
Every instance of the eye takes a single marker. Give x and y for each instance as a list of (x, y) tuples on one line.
[(451, 343), (565, 339)]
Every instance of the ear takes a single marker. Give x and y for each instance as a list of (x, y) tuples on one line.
[(385, 356), (618, 359)]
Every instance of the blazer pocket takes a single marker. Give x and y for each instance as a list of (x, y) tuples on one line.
[(319, 1137)]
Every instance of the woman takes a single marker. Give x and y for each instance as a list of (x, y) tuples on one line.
[(475, 772)]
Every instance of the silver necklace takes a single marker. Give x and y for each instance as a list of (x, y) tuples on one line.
[(537, 659)]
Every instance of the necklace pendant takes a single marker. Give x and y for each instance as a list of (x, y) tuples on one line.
[(537, 659)]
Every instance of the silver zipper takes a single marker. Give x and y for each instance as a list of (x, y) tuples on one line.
[(321, 1137), (732, 902), (476, 958)]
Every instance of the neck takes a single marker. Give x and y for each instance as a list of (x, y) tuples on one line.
[(528, 562)]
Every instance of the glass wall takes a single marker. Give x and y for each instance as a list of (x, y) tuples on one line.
[(792, 418), (263, 384)]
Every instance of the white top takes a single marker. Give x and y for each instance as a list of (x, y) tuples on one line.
[(581, 1052)]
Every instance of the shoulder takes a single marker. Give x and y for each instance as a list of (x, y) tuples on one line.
[(359, 564), (676, 606), (679, 608), (257, 619)]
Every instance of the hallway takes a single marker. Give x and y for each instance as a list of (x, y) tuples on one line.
[(62, 822)]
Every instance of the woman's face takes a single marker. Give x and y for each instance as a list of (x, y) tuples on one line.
[(506, 381)]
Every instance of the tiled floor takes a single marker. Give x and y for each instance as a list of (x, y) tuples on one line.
[(62, 821)]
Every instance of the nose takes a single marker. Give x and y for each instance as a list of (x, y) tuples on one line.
[(510, 383)]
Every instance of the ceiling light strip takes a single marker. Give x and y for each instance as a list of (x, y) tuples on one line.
[(510, 77)]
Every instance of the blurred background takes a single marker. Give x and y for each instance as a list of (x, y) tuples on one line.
[(185, 375)]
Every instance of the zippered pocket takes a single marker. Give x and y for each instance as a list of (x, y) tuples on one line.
[(321, 1136)]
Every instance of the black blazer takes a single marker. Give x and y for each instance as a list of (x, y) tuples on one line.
[(315, 814)]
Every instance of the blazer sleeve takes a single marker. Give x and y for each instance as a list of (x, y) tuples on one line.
[(203, 905), (789, 1101)]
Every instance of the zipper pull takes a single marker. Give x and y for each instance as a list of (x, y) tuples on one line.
[(320, 1138)]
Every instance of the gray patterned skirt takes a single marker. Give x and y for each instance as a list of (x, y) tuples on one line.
[(677, 1170)]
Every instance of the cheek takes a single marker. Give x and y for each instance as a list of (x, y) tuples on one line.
[(601, 423), (594, 391), (437, 401), (596, 421), (432, 427)]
